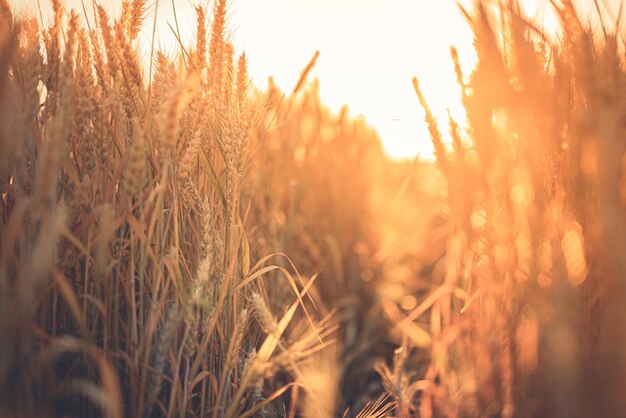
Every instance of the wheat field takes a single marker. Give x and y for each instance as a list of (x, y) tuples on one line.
[(178, 242)]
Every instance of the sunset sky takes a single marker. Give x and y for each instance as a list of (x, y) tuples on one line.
[(370, 50)]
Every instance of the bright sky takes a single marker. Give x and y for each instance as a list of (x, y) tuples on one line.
[(369, 51)]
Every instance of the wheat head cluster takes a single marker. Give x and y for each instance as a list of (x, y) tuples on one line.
[(176, 242)]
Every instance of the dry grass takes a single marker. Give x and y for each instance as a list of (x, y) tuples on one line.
[(175, 242), (520, 316), (133, 283)]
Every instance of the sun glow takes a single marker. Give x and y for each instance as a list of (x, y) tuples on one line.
[(368, 56)]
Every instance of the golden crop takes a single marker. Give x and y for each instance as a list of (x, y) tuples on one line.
[(176, 242)]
